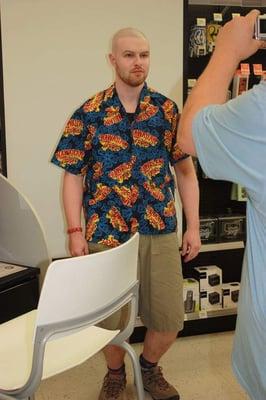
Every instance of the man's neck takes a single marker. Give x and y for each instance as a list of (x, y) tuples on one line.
[(128, 95)]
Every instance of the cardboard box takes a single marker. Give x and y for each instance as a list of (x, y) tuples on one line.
[(230, 293), (211, 299), (232, 228), (240, 84), (209, 277), (209, 230)]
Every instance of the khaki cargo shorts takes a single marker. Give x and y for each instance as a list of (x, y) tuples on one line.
[(161, 306)]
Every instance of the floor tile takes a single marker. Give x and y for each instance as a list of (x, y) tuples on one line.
[(199, 367)]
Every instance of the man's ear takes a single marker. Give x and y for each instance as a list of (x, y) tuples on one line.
[(111, 59)]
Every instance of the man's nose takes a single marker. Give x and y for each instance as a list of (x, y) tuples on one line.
[(137, 59)]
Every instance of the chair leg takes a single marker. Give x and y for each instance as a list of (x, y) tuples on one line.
[(32, 397), (6, 397), (136, 368)]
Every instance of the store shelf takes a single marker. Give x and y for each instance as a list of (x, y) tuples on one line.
[(138, 322), (241, 3), (210, 314), (221, 246), (201, 315)]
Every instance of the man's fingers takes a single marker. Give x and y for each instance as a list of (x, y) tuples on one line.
[(253, 14)]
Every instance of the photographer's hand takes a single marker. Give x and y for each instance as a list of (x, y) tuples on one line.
[(235, 41)]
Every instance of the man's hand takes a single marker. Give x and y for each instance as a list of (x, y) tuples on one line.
[(77, 244), (191, 244), (236, 38)]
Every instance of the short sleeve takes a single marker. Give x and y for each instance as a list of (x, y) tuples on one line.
[(230, 140), (176, 153), (73, 150)]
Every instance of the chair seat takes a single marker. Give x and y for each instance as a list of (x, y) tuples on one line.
[(16, 349)]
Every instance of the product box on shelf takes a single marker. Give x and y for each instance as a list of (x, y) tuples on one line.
[(208, 229), (241, 80), (230, 293), (232, 228), (191, 295), (240, 83), (209, 277), (211, 299)]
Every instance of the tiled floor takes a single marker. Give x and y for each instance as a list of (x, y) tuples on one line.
[(199, 366)]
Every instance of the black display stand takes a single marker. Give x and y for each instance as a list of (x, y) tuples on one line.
[(3, 163), (19, 293)]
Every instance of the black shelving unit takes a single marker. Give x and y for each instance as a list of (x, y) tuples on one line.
[(3, 163), (19, 293)]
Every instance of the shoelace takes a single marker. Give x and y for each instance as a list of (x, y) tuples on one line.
[(113, 385), (156, 376)]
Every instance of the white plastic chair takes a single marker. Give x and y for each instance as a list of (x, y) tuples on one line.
[(77, 294)]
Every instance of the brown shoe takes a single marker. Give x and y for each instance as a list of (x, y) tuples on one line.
[(155, 384), (113, 387)]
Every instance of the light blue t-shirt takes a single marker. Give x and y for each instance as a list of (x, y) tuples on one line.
[(230, 140)]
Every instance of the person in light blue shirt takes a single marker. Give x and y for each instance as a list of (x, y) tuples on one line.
[(229, 138)]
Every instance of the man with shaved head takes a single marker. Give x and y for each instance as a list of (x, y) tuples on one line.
[(116, 151)]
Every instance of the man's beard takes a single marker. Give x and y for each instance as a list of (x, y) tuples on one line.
[(131, 79)]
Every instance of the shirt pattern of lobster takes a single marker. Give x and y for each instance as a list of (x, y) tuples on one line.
[(128, 185)]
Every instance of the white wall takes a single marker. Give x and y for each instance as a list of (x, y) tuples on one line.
[(54, 57)]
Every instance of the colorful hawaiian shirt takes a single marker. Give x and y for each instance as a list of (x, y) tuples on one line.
[(125, 163)]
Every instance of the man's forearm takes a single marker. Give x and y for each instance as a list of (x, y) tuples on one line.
[(190, 200), (72, 199), (189, 193)]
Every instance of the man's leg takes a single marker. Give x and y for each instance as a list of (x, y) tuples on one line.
[(114, 383), (156, 344), (161, 308), (114, 356)]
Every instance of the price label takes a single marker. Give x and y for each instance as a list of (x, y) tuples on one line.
[(201, 21), (191, 82), (203, 314), (217, 17), (244, 67), (234, 15), (257, 69)]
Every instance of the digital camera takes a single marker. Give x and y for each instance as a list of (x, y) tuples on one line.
[(260, 27)]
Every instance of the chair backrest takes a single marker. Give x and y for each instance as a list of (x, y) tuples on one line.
[(74, 287), (22, 238)]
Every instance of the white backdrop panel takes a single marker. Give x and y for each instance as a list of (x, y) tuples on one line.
[(54, 57)]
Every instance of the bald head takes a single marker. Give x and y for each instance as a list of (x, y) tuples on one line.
[(130, 57), (127, 32)]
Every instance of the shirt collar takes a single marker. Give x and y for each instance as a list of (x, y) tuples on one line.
[(111, 92)]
